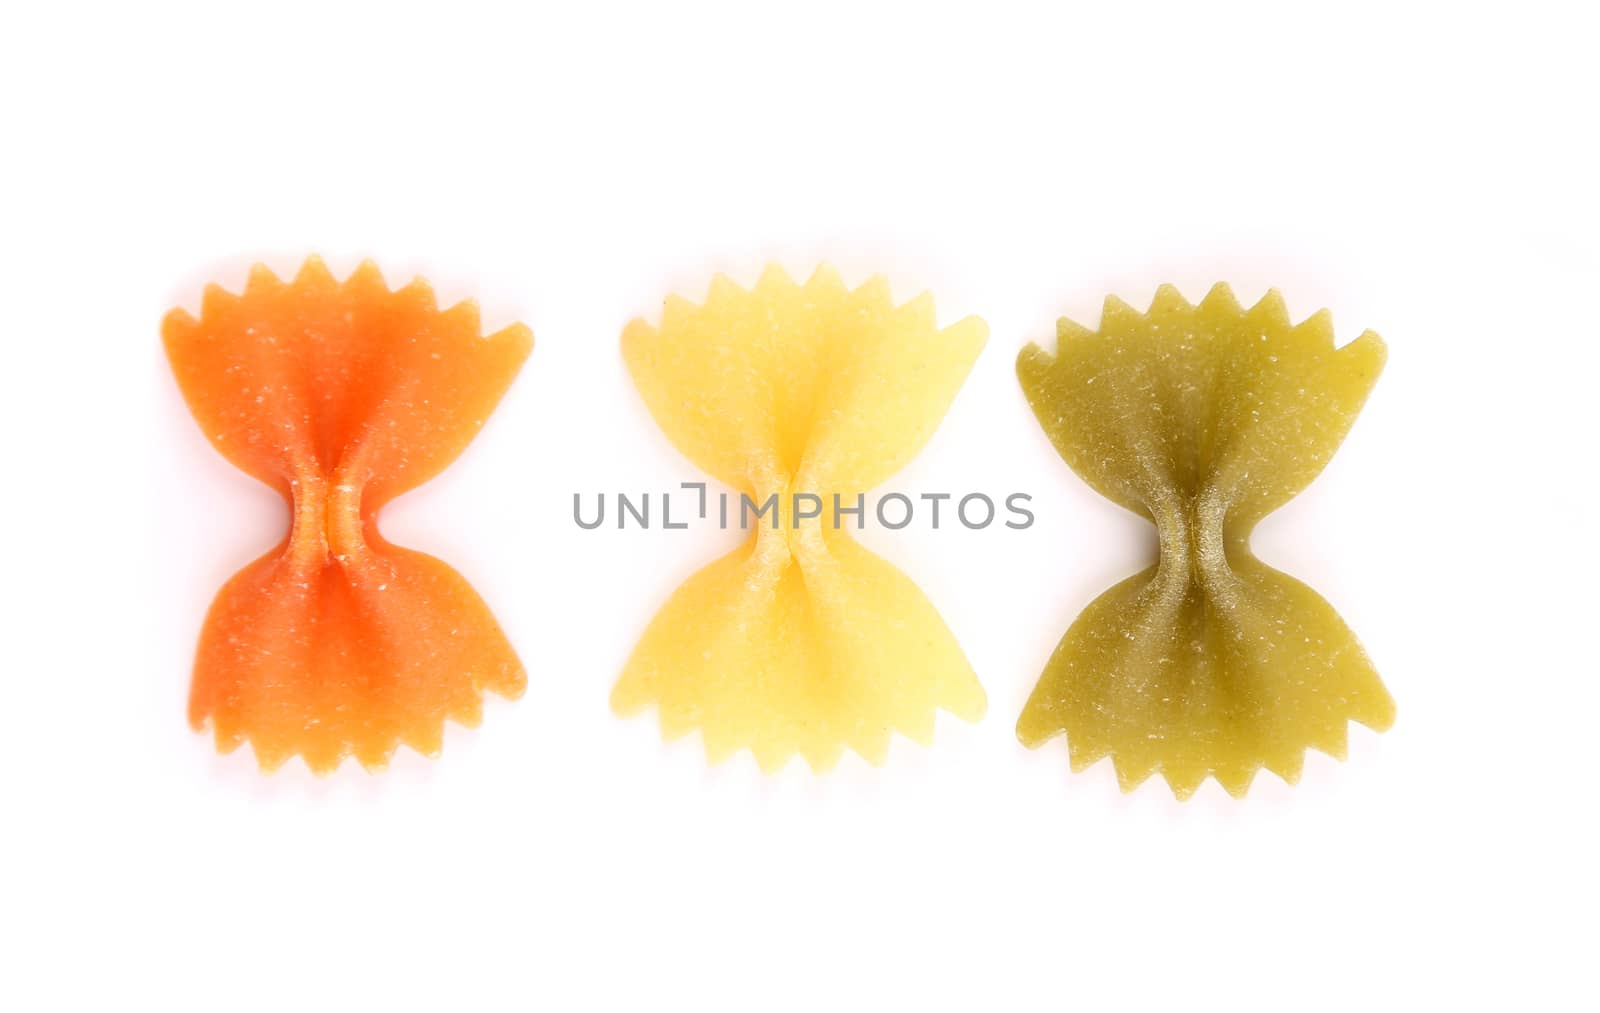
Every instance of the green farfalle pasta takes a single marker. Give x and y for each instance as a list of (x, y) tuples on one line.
[(1202, 419)]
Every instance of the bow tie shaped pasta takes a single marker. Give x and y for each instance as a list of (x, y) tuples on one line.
[(801, 641), (1203, 419), (342, 397)]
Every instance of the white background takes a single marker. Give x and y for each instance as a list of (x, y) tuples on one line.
[(1428, 175)]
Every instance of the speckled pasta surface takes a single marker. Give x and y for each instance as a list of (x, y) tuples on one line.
[(342, 396), (1202, 419), (800, 641)]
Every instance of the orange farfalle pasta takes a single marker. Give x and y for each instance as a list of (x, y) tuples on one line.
[(342, 397)]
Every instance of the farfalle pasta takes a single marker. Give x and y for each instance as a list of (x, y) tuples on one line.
[(801, 641), (1202, 419), (342, 397)]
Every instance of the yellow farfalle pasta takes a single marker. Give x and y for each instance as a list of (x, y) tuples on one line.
[(1202, 419), (801, 641)]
